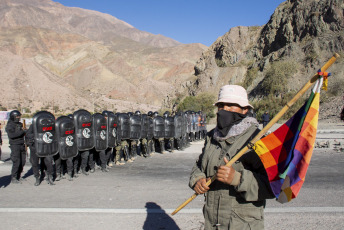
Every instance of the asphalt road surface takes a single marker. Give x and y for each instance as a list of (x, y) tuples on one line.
[(142, 194)]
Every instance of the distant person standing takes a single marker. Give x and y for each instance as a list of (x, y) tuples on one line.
[(16, 134), (0, 144), (265, 118), (341, 117)]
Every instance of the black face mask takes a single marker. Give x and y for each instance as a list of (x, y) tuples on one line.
[(226, 119)]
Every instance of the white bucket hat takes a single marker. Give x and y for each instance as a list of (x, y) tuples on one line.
[(234, 94)]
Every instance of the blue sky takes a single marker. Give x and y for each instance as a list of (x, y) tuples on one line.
[(187, 21)]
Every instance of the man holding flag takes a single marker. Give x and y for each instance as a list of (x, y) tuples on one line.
[(236, 199)]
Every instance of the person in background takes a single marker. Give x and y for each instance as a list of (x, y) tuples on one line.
[(265, 118), (237, 197)]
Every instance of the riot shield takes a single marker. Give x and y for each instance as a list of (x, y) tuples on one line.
[(178, 122), (159, 127), (123, 127), (65, 132), (169, 127), (46, 142), (189, 123), (145, 126), (99, 132), (84, 129), (111, 129), (184, 123), (150, 133), (135, 127)]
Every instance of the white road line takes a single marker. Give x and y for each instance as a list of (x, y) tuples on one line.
[(168, 211)]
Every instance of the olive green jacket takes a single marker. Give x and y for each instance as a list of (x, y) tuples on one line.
[(227, 206)]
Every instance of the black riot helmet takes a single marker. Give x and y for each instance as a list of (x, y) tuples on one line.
[(137, 112), (70, 116), (155, 114), (150, 113), (130, 114), (15, 116), (105, 113), (166, 114)]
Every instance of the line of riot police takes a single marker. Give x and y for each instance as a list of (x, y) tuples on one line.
[(82, 141)]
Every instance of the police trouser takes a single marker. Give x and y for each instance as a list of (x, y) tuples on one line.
[(108, 153), (133, 148), (92, 158), (18, 157), (59, 162), (83, 157), (102, 156), (151, 145), (37, 163), (122, 154)]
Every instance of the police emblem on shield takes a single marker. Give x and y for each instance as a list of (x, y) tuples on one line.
[(47, 137), (86, 133), (69, 140), (103, 134)]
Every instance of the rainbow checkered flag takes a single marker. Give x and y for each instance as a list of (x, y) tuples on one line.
[(286, 153)]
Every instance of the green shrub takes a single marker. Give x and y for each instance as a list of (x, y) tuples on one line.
[(274, 105), (220, 62), (202, 102), (276, 77), (251, 74)]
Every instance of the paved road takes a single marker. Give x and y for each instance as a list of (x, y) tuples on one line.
[(141, 195)]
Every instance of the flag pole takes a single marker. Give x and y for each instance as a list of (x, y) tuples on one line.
[(302, 91)]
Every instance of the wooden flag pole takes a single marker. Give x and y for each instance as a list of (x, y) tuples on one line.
[(268, 126)]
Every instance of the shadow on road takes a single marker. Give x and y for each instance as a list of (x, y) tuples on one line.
[(157, 218), (5, 181)]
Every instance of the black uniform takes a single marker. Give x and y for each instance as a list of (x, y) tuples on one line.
[(16, 134)]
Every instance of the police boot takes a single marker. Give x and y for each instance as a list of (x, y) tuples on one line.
[(145, 150), (104, 169), (172, 145), (162, 147), (50, 180), (118, 160), (133, 152), (84, 172), (15, 181), (152, 147), (38, 181), (126, 153), (70, 177), (58, 177), (76, 171)]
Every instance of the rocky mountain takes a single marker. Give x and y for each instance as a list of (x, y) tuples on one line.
[(65, 58), (299, 38)]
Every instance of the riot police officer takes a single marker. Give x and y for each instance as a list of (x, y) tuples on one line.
[(169, 130), (150, 134), (159, 131), (135, 132), (38, 162), (123, 134), (84, 137), (65, 131), (16, 134)]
